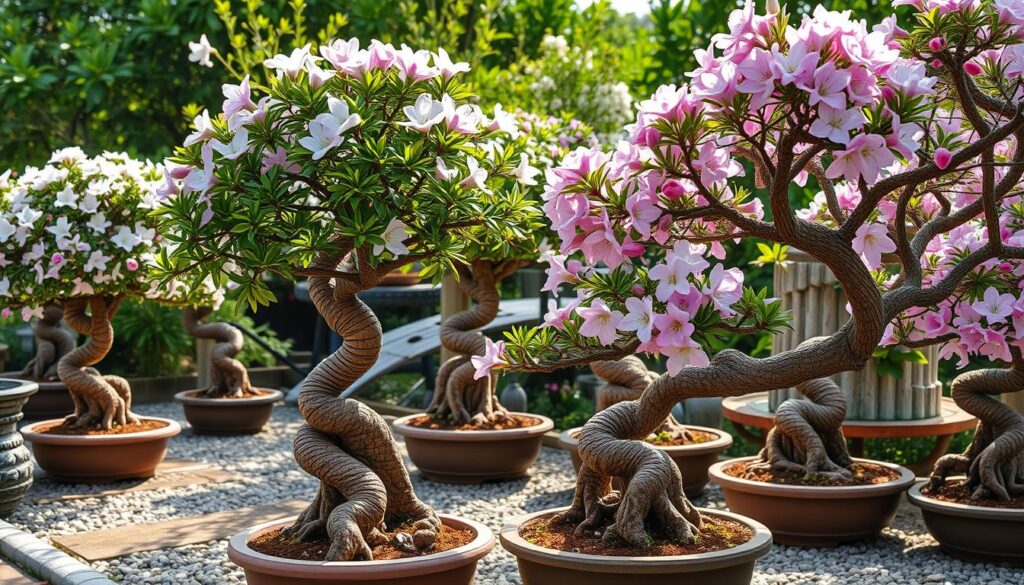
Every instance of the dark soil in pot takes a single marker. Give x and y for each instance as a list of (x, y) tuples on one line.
[(273, 543), (515, 421), (863, 474)]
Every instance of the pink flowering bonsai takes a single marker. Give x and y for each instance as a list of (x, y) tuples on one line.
[(917, 149)]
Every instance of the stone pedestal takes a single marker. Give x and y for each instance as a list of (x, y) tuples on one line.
[(15, 458)]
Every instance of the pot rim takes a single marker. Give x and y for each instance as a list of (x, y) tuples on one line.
[(33, 436), (245, 557), (568, 442), (269, 395), (915, 497), (717, 474), (402, 427), (21, 388), (749, 551)]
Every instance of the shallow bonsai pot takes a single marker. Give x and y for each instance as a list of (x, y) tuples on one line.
[(229, 416), (693, 461), (545, 566), (15, 458), (473, 456), (51, 401), (102, 458), (973, 533), (815, 516), (453, 567)]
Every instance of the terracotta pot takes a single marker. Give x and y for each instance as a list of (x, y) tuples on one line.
[(51, 401), (15, 458), (692, 460), (100, 458), (815, 516), (453, 567), (545, 566), (973, 533), (473, 456), (229, 416)]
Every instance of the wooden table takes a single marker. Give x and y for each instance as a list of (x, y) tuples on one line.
[(752, 411)]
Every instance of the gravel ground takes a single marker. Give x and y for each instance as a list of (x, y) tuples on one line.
[(905, 554)]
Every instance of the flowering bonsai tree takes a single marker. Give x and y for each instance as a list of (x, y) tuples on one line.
[(78, 232), (916, 140), (331, 173), (228, 377)]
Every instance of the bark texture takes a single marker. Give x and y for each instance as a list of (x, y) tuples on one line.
[(364, 485), (994, 461), (456, 394), (100, 401), (53, 341), (626, 379), (228, 377)]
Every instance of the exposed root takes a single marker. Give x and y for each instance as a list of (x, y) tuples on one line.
[(228, 377), (994, 461), (53, 341), (364, 485), (100, 401), (626, 379), (807, 437)]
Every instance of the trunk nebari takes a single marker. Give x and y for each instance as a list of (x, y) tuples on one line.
[(808, 437), (100, 401), (994, 461), (626, 379), (364, 485), (53, 341), (456, 394), (228, 377)]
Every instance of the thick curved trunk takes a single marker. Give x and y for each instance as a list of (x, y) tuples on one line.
[(346, 445), (994, 461), (228, 377), (626, 379), (100, 401), (53, 341), (456, 393)]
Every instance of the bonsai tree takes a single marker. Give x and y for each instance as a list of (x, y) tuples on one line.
[(332, 173), (458, 395), (228, 377), (78, 232), (53, 341), (922, 132)]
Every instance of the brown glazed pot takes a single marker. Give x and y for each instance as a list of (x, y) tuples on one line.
[(973, 533), (473, 456), (103, 458), (546, 566), (692, 460), (229, 416), (815, 516), (453, 567), (52, 401)]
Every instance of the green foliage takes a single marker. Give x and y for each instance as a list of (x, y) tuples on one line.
[(252, 353), (891, 361), (149, 340), (565, 406)]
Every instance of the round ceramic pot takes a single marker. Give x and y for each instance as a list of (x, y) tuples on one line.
[(229, 416), (453, 567), (973, 533), (693, 461), (545, 566), (473, 456), (15, 458), (51, 401), (815, 516), (100, 458)]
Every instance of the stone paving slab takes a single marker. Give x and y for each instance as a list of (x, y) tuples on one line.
[(175, 476), (9, 575), (118, 542)]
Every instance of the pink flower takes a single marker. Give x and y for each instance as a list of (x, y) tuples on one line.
[(827, 86), (674, 327), (340, 52), (796, 66), (994, 346), (937, 44), (237, 98), (715, 164), (556, 317), (131, 264), (688, 353), (973, 69), (600, 321), (5, 313), (672, 275), (493, 358), (560, 271), (836, 124), (758, 78), (865, 156), (942, 157), (994, 307), (57, 258), (642, 212), (601, 245), (871, 241), (725, 287), (278, 158), (640, 317), (413, 65)]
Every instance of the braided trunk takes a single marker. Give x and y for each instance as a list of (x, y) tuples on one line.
[(100, 401), (994, 461), (53, 341), (457, 394), (364, 485), (228, 377), (626, 379)]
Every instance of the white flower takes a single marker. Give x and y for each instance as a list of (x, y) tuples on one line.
[(61, 229), (28, 216), (318, 76), (503, 122), (290, 65), (524, 172), (96, 261), (238, 146), (83, 288), (126, 239), (89, 204), (66, 197), (204, 128), (448, 68), (326, 129), (200, 52), (6, 230), (202, 179), (394, 235), (423, 114), (5, 287), (70, 154), (98, 223), (443, 172), (476, 177)]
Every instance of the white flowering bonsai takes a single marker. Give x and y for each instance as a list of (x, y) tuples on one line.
[(331, 173), (923, 132), (79, 233)]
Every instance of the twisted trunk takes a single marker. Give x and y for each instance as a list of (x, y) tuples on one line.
[(228, 377), (53, 341), (626, 379), (346, 445), (457, 395), (100, 401), (994, 461)]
